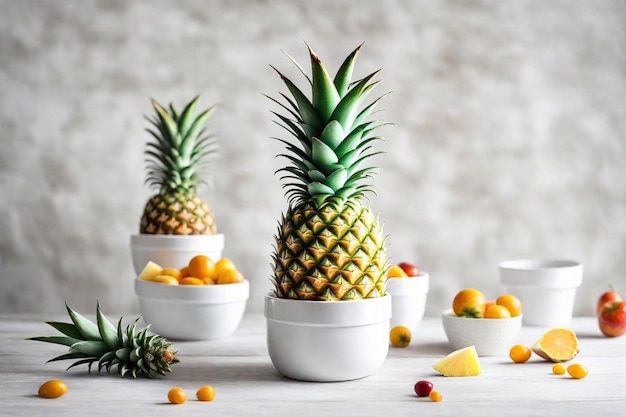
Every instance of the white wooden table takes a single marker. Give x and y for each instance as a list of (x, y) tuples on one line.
[(247, 384)]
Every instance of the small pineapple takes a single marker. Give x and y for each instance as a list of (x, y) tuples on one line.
[(329, 245), (175, 157), (462, 362), (109, 345)]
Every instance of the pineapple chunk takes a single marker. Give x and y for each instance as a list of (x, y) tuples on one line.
[(462, 362), (150, 271)]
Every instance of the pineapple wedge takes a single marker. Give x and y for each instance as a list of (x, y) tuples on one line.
[(151, 270), (462, 362)]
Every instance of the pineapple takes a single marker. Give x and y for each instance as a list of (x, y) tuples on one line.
[(462, 362), (109, 346), (330, 245), (175, 157)]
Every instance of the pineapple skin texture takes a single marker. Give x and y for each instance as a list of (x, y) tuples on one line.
[(177, 214), (329, 254)]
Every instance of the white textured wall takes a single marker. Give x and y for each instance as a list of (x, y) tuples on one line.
[(509, 137)]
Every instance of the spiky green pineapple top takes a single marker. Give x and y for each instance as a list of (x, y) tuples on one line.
[(180, 148), (133, 352), (333, 138)]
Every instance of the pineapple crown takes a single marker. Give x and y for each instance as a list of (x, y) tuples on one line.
[(110, 345), (333, 140), (179, 149)]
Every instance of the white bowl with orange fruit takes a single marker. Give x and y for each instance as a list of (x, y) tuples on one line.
[(490, 326), (202, 300), (408, 287)]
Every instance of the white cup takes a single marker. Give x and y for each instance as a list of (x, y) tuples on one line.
[(547, 289), (408, 300)]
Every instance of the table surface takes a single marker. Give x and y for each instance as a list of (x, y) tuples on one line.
[(247, 384)]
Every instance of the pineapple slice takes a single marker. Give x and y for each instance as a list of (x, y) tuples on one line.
[(150, 271), (557, 345), (462, 362)]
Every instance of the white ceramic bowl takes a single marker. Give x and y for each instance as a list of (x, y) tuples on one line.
[(327, 341), (546, 288), (490, 336), (192, 312), (408, 300), (173, 251)]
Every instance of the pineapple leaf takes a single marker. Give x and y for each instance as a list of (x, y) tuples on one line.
[(106, 329), (368, 110), (344, 75), (95, 348), (345, 112), (337, 178), (322, 154), (167, 124), (86, 327), (307, 111), (325, 96), (71, 355), (293, 113), (187, 116), (59, 340), (66, 328), (333, 134), (88, 361)]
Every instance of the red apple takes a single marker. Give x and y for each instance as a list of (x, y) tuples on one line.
[(612, 318), (607, 297), (410, 269)]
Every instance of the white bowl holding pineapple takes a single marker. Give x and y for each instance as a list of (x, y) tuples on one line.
[(547, 288), (173, 250), (489, 336), (408, 297), (327, 341)]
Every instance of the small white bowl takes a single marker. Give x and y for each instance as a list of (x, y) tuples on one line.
[(408, 300), (546, 288), (172, 250), (192, 312), (490, 336), (327, 341)]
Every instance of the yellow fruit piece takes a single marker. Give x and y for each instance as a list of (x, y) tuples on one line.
[(229, 276), (176, 395), (149, 271), (172, 272), (165, 279), (52, 389), (520, 354), (435, 396), (557, 345), (497, 312), (469, 302), (558, 369), (577, 371), (201, 266), (205, 393), (191, 281), (400, 336), (222, 265), (462, 362), (512, 303), (208, 281), (184, 272), (396, 272)]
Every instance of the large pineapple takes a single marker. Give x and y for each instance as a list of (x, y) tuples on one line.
[(329, 245), (175, 158), (110, 345)]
